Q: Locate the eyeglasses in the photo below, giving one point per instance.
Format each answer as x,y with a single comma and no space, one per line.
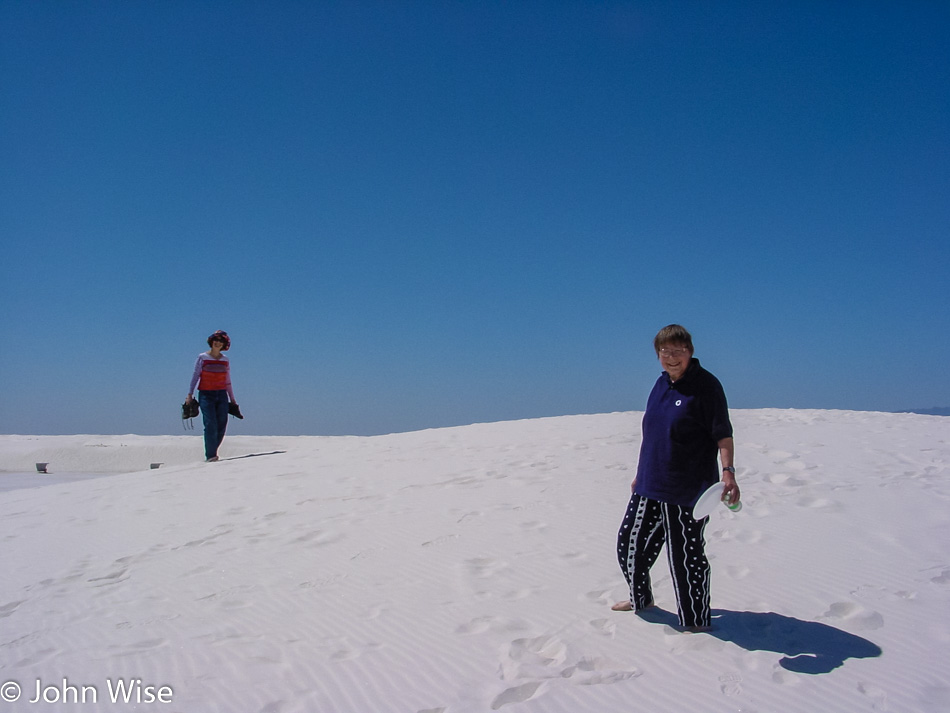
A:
674,352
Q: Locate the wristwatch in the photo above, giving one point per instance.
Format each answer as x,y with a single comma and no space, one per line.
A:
729,468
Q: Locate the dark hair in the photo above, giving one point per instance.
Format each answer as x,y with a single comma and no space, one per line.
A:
220,336
673,334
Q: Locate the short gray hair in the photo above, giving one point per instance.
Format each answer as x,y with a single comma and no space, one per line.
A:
673,334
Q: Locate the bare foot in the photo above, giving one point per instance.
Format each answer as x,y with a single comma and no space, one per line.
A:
622,606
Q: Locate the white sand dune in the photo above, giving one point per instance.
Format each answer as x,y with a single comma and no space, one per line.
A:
472,569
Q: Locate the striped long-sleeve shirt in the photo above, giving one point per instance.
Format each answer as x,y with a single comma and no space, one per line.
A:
212,375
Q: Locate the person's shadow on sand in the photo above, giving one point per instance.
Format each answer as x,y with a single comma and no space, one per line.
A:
809,646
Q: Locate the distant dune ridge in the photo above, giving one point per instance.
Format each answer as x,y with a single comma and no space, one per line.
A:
935,411
471,569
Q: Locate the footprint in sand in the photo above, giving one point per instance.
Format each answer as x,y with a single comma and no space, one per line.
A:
376,612
345,652
482,624
468,516
575,557
823,504
597,671
518,694
319,538
368,553
201,569
543,658
132,559
322,582
235,604
604,627
344,655
856,616
942,578
229,639
746,537
206,540
483,567
877,695
112,578
750,537
541,650
476,626
141,647
443,540
738,571
786,480
780,456
534,526
147,644
516,595
7,609
600,596
730,684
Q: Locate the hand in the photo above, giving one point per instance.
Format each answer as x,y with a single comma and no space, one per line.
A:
633,485
730,490
189,398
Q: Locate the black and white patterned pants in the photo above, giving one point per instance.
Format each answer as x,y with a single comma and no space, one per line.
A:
647,526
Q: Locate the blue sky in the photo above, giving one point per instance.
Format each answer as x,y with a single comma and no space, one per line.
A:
420,214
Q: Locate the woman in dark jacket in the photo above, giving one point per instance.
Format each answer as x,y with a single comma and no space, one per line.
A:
686,428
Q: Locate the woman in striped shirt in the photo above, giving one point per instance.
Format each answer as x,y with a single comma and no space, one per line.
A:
212,376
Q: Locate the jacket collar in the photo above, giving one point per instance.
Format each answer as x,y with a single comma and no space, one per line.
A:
690,372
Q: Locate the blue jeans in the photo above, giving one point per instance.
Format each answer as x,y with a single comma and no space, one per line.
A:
214,413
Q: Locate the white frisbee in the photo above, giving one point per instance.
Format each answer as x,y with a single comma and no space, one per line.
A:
708,501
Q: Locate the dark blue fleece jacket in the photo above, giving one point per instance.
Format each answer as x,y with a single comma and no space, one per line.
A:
682,426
